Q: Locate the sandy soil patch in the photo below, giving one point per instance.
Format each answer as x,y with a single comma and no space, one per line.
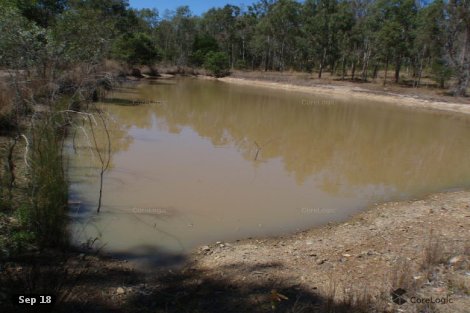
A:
344,92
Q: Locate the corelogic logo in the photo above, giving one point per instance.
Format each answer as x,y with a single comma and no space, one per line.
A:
398,296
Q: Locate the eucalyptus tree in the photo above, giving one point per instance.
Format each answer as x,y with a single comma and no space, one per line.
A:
261,43
183,25
429,45
321,29
457,42
245,31
347,39
277,31
221,23
282,24
396,22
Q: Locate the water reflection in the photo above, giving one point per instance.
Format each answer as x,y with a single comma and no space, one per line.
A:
226,162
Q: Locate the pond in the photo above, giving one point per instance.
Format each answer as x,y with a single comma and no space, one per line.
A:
200,161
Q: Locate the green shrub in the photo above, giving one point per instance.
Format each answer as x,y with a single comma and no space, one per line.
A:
441,72
217,63
201,47
136,49
241,64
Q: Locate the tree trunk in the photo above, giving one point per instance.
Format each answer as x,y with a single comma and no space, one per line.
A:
397,70
353,70
243,49
232,55
462,81
322,63
281,65
266,59
343,68
386,70
463,72
376,71
420,71
365,65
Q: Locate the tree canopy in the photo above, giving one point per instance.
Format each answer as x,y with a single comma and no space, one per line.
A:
350,38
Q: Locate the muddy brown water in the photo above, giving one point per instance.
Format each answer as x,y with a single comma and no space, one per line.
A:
196,162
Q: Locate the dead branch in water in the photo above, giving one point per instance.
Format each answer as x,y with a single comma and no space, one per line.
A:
104,163
260,147
257,151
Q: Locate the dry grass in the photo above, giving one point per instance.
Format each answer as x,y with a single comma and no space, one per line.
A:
442,268
435,252
181,70
427,90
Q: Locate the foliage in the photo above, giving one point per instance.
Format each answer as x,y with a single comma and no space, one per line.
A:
201,47
82,36
353,39
441,72
217,63
136,49
20,40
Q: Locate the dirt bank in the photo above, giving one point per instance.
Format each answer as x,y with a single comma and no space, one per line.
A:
421,246
399,244
409,97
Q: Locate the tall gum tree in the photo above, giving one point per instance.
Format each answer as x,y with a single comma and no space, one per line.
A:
457,30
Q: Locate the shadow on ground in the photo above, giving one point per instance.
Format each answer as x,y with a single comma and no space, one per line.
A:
90,286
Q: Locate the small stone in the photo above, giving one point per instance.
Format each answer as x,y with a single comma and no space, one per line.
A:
456,259
346,255
321,261
205,248
120,291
